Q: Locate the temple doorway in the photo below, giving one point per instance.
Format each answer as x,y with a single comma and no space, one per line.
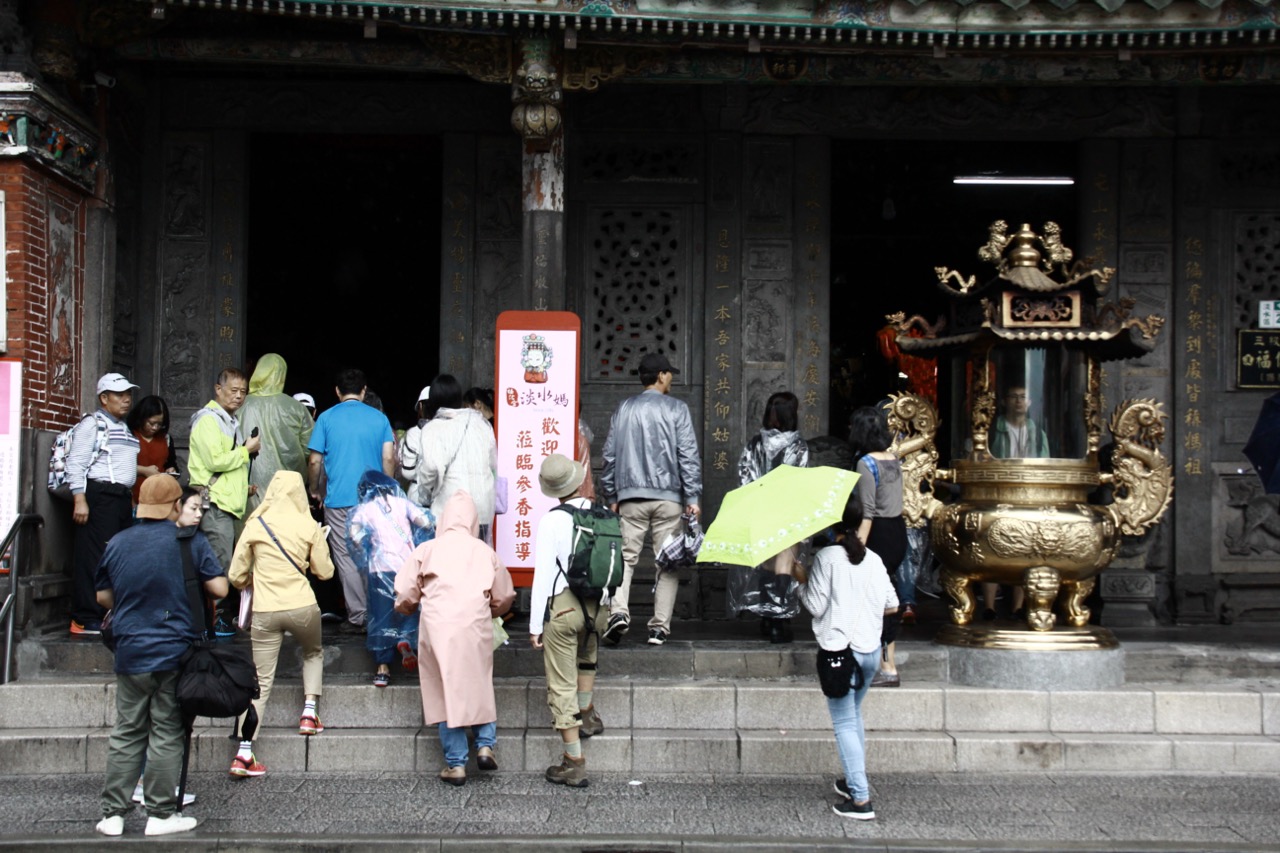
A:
344,261
896,214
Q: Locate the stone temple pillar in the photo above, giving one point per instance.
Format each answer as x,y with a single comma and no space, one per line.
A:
537,96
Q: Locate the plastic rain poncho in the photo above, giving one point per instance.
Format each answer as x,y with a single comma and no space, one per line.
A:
283,424
382,531
760,589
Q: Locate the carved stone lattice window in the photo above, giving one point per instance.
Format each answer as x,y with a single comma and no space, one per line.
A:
1257,265
637,293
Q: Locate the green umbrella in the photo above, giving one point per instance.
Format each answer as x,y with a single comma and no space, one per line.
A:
762,518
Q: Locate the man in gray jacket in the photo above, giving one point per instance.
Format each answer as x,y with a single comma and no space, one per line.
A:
652,472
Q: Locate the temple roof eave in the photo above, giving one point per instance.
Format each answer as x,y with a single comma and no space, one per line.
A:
1112,344
1024,24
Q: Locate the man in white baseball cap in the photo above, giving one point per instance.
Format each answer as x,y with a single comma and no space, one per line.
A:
407,449
102,464
308,401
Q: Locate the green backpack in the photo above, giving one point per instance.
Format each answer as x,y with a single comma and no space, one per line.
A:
595,563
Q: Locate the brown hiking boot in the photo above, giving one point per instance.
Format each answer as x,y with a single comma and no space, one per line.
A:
591,722
570,771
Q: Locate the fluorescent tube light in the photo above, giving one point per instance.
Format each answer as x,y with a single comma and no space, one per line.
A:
1015,180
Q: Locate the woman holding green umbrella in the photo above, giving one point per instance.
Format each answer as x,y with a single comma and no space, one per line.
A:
766,590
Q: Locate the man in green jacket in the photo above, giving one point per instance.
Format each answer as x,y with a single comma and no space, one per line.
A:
219,463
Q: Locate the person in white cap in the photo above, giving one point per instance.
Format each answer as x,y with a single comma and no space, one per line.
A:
102,465
308,401
407,450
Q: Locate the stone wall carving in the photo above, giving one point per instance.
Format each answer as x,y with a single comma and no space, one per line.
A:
761,382
1251,167
1146,193
185,199
498,286
765,319
768,194
184,324
1256,265
643,161
1250,518
63,325
498,190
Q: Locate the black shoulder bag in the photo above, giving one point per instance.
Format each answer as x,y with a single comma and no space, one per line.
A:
838,672
214,679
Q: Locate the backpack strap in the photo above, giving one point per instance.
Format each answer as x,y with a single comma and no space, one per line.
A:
875,469
195,590
272,534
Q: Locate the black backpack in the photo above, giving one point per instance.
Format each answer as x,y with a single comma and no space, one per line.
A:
595,562
214,679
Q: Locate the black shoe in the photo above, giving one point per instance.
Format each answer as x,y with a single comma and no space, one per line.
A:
352,628
857,811
657,636
1020,615
988,615
618,625
841,787
766,627
780,631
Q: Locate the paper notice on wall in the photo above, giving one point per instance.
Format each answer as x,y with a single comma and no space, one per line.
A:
10,441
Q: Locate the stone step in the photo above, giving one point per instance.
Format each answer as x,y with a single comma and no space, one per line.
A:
417,749
920,659
1236,709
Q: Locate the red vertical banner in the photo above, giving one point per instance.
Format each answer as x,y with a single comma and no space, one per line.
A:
535,405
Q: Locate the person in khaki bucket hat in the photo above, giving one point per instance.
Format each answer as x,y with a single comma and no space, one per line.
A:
568,630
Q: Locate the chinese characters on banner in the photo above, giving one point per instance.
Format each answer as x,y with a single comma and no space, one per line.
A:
536,409
10,438
1199,327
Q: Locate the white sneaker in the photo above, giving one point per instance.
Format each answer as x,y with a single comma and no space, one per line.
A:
176,822
187,799
113,825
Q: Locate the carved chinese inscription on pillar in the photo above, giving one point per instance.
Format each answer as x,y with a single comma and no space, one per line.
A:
808,321
1199,325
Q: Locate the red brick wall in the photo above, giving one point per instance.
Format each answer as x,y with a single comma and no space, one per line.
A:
44,238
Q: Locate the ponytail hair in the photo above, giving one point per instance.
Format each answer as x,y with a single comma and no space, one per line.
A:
849,524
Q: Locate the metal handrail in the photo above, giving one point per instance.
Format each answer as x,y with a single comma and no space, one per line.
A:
9,610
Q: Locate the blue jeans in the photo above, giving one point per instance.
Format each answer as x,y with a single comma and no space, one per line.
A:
454,741
846,719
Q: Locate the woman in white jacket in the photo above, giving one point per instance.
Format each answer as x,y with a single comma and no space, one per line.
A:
456,450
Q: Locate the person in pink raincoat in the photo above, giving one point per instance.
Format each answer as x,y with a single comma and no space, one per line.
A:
459,585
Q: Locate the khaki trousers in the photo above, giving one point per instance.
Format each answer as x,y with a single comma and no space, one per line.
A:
568,646
659,519
268,633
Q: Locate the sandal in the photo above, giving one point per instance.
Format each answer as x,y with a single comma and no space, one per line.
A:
381,679
408,659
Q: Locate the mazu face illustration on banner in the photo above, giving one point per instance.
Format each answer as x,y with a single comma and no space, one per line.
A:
537,399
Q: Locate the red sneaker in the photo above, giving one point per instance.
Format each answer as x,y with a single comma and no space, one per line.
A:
408,659
247,766
310,725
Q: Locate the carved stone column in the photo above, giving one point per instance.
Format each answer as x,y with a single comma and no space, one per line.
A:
537,95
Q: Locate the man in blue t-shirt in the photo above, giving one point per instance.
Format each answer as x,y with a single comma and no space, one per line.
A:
142,581
348,440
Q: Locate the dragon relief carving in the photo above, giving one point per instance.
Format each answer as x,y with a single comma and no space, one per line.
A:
1043,539
1118,314
914,422
1142,478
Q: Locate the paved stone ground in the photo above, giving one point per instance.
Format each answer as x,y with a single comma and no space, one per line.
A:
923,811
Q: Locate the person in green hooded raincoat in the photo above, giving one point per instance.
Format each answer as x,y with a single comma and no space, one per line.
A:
283,424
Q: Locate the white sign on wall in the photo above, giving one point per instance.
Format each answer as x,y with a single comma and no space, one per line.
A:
1269,314
10,440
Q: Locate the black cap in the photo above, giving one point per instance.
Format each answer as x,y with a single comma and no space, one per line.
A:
655,363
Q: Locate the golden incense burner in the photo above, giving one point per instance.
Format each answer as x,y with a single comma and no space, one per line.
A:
1030,503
